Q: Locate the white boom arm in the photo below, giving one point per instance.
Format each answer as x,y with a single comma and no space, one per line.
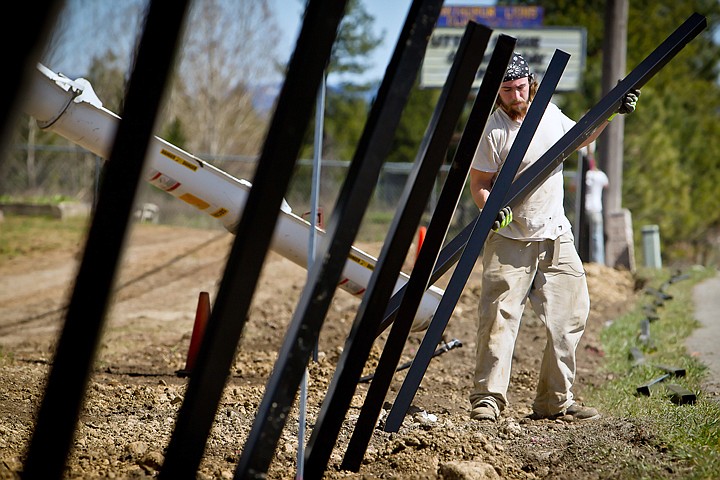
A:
71,109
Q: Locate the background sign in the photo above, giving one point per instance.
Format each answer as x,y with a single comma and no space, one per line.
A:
537,45
495,16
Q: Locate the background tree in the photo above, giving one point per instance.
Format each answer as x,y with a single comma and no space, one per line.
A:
88,30
104,61
174,133
347,101
345,113
355,41
413,124
108,75
228,51
671,146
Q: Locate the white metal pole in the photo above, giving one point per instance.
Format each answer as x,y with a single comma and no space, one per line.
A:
314,193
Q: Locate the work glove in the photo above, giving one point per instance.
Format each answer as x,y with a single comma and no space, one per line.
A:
503,219
629,102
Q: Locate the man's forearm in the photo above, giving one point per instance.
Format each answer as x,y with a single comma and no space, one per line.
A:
480,196
593,136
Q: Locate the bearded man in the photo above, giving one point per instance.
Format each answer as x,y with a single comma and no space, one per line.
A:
530,254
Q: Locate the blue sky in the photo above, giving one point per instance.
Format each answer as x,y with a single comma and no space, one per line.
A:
389,16
76,49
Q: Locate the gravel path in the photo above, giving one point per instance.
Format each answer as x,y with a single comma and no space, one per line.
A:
703,342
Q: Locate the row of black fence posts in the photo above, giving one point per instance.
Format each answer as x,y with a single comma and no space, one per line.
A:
646,344
67,381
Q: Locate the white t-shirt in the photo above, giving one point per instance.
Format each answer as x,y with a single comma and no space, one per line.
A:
541,215
595,181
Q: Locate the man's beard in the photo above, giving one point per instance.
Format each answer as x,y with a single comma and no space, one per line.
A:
515,111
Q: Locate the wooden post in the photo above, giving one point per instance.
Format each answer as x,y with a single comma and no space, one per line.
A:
610,143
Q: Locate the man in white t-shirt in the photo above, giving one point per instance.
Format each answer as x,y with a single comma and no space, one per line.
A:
595,182
531,257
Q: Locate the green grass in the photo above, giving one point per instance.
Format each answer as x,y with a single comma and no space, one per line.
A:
375,226
23,235
691,432
36,200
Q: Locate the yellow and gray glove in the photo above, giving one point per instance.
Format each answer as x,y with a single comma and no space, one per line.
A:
503,218
629,102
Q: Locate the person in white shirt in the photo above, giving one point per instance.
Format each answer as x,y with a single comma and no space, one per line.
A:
530,254
595,182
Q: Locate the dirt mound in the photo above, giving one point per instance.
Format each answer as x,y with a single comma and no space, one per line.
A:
134,393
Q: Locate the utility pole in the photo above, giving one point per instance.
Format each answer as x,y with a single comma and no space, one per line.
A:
619,245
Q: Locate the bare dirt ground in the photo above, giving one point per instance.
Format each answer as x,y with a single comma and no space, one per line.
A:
134,393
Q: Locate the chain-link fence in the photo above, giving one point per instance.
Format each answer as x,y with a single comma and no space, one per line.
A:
47,171
73,173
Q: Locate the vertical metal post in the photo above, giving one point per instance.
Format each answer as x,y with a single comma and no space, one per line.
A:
78,342
253,237
651,246
314,193
315,190
582,230
613,69
32,24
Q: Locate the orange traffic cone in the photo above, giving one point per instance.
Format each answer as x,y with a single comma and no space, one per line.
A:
421,239
202,314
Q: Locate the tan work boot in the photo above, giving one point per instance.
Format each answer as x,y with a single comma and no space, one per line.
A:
573,413
485,410
577,412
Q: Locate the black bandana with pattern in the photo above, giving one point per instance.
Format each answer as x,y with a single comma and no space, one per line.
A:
518,68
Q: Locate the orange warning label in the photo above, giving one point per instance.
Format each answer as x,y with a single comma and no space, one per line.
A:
195,201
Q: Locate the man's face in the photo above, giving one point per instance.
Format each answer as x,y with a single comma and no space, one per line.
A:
514,96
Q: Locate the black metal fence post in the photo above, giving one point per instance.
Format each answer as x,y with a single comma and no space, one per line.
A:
530,178
436,233
476,241
32,23
373,147
609,104
410,209
85,318
583,234
253,237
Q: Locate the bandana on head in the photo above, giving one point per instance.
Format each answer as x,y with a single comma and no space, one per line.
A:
518,68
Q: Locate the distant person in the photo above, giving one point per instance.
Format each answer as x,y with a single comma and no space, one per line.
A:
529,255
595,182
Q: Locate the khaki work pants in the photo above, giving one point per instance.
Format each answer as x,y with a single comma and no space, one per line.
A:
551,275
